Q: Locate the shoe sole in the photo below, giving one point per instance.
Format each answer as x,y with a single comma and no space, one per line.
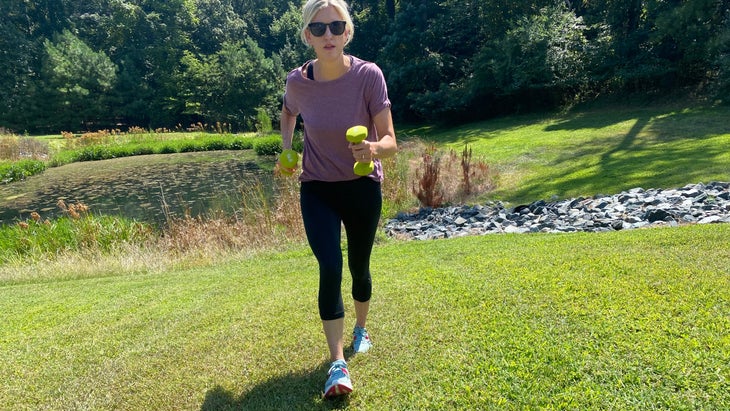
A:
361,350
337,390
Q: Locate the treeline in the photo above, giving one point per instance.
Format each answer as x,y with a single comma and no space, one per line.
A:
78,65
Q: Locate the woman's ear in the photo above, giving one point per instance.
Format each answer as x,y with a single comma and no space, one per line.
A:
308,36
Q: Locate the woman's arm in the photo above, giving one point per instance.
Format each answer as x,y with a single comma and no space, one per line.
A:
386,145
287,124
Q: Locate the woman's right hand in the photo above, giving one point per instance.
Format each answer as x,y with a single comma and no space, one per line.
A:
280,169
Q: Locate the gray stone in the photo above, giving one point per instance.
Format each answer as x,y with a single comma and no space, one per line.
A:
635,208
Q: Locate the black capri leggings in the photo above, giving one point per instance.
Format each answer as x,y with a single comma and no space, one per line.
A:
326,206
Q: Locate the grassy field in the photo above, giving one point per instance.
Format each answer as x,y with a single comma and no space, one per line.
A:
630,320
598,149
627,320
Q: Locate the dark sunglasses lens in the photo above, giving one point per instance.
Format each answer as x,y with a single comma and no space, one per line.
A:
317,29
337,27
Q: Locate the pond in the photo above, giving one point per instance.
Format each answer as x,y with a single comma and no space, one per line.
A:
144,188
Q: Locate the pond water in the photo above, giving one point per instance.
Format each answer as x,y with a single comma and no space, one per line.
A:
145,188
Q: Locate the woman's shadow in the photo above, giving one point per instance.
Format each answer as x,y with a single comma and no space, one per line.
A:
295,391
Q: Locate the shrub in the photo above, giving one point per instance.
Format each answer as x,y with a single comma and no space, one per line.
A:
427,187
19,170
397,194
167,150
267,146
142,151
241,143
76,230
263,121
19,148
93,153
189,147
215,144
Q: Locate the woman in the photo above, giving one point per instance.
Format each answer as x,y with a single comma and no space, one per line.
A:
331,94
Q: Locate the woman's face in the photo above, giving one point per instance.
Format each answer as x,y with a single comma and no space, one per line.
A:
327,46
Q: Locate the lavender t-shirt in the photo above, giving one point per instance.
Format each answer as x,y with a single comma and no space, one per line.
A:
328,109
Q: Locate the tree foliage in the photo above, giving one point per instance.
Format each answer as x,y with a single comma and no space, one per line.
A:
84,64
231,85
78,80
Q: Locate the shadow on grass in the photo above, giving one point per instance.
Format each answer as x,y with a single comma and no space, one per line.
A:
672,154
295,391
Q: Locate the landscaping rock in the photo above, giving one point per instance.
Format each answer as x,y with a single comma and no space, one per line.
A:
635,208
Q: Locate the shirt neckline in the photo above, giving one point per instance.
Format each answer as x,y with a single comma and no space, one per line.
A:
303,70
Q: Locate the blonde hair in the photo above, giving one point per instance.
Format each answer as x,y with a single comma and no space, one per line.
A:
312,7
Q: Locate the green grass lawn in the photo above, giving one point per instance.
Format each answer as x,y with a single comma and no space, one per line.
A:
625,320
629,320
603,149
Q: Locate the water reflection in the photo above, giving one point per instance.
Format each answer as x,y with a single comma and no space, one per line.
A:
144,188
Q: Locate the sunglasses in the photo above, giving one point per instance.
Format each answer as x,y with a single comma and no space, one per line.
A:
318,29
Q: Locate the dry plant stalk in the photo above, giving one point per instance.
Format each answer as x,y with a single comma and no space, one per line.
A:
449,178
466,170
429,191
263,224
18,148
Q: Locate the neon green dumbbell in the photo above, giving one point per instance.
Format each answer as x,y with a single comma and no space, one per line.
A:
356,135
288,159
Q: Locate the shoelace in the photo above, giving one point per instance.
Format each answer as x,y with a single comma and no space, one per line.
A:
337,367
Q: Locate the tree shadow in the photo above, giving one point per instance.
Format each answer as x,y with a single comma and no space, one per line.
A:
470,132
294,391
652,160
650,153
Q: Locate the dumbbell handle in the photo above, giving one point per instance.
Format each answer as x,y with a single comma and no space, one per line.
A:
356,135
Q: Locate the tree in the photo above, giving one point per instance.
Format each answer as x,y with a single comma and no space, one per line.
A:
79,79
179,60
16,64
373,21
409,61
216,22
721,48
687,36
146,40
24,26
285,31
232,85
539,62
430,65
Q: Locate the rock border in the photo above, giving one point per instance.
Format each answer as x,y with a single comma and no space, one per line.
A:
635,208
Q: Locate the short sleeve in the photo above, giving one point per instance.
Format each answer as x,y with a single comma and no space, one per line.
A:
377,96
286,107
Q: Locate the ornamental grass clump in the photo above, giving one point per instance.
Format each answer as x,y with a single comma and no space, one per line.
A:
448,178
263,220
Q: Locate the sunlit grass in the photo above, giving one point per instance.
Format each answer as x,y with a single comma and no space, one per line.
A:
220,312
598,150
628,320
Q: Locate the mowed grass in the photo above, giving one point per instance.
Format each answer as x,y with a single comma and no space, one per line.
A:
597,150
630,320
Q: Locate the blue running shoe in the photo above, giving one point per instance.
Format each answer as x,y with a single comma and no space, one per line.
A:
361,340
338,381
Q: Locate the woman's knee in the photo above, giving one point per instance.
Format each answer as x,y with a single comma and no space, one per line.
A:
362,288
